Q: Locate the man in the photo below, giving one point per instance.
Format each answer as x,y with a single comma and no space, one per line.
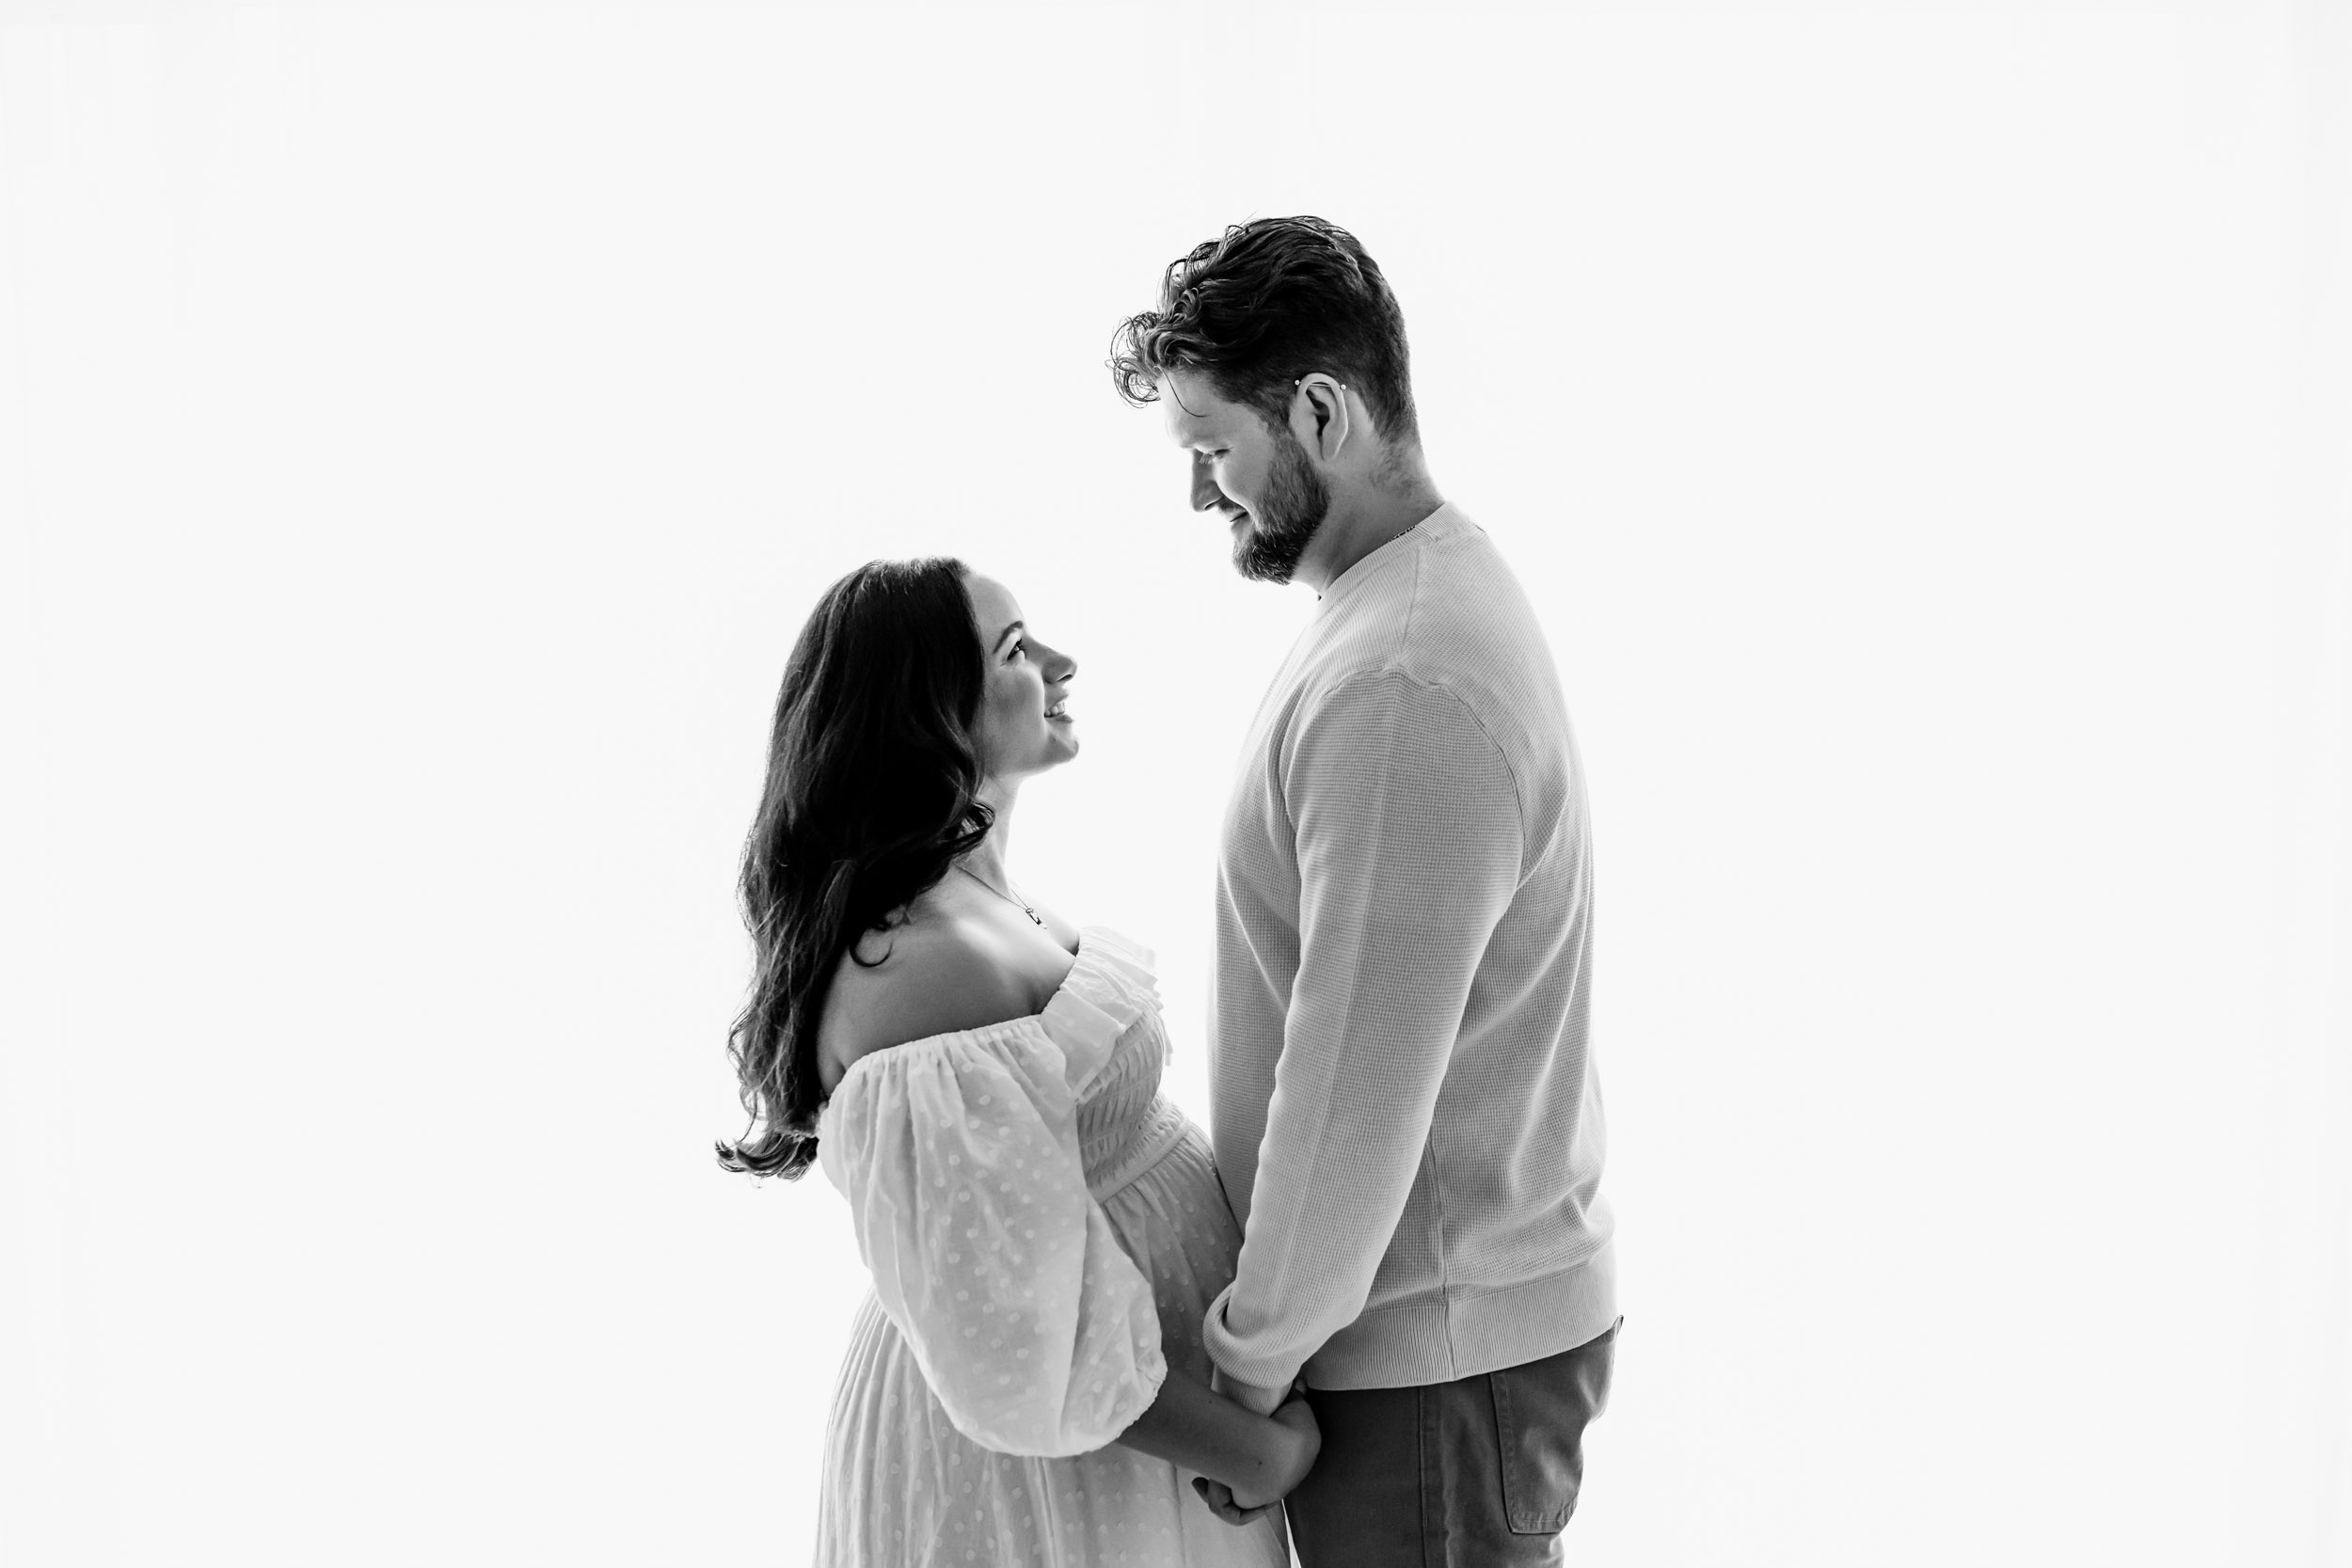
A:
1405,1112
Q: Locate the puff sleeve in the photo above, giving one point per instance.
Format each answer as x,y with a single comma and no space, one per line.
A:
959,1155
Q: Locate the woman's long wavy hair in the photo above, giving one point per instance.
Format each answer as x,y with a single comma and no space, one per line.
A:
873,791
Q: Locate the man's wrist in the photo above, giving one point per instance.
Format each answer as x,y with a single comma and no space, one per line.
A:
1262,1398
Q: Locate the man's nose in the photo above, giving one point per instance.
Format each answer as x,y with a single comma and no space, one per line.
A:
1205,491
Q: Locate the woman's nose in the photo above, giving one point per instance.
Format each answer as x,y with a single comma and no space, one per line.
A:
1059,665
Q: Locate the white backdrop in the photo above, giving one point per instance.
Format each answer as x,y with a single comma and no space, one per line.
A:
423,427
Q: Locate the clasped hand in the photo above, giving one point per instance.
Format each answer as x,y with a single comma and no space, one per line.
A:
1299,1441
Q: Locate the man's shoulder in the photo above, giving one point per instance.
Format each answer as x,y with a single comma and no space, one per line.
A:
1453,642
1452,615
1465,589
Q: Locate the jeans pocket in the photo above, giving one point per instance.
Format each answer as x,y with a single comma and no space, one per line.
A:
1541,1411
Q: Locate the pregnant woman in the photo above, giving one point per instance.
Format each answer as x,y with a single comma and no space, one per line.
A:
1027,1384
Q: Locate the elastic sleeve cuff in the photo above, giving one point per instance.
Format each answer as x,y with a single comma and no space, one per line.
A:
1136,1397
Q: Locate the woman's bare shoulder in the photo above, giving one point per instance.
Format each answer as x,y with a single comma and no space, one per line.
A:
935,975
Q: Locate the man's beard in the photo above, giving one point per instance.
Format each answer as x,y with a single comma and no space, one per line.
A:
1290,508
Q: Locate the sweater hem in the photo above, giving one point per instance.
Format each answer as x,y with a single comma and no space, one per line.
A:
1466,1333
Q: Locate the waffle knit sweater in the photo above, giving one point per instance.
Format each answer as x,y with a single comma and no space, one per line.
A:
1404,1108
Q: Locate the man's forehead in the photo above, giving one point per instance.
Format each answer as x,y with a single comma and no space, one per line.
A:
1193,410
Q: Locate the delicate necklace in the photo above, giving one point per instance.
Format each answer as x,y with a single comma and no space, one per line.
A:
1035,918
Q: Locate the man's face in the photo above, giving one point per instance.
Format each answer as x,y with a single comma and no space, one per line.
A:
1260,481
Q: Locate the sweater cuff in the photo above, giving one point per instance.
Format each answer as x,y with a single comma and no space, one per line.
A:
1237,1360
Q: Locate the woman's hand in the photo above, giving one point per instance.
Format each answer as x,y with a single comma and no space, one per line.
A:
1226,1447
1297,1440
1292,1443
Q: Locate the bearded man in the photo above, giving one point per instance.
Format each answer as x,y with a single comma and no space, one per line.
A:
1405,1112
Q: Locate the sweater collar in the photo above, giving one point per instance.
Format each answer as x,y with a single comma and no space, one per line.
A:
1445,523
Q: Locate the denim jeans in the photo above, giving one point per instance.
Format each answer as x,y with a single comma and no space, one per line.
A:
1483,1470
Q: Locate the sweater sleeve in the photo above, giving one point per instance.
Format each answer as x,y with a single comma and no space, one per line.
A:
1409,842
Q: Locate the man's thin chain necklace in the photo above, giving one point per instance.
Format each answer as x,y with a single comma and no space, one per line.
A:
1026,908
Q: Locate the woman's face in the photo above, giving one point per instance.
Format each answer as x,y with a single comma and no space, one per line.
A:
1022,728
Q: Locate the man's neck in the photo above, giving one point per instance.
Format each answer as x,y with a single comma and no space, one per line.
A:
1351,531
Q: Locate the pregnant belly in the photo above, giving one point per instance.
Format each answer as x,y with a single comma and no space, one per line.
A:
1170,1217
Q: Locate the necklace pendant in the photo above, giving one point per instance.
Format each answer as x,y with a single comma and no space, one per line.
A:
1007,895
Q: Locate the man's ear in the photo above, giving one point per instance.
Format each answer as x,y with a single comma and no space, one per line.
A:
1321,407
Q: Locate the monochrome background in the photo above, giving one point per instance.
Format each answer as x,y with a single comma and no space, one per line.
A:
1923,429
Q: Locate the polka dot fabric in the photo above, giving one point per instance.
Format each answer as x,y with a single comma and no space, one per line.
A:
1045,1231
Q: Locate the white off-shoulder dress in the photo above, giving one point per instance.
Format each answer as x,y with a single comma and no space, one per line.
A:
1045,1230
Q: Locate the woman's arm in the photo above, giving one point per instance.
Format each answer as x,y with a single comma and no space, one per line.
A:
1259,1457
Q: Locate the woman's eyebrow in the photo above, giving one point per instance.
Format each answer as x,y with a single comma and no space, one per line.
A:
1008,632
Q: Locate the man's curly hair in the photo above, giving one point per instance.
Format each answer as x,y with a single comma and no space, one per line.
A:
1269,301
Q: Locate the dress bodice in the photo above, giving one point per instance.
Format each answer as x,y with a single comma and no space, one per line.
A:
1124,1124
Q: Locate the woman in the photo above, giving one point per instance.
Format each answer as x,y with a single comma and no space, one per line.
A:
1026,1383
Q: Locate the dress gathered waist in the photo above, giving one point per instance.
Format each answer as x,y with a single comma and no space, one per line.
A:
1150,1140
